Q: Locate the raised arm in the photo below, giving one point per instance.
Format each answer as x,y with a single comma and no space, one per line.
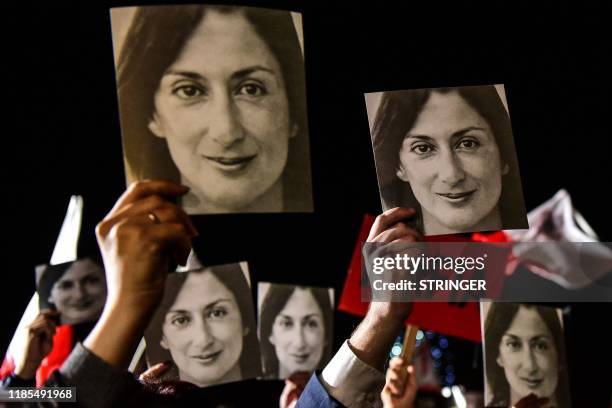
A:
354,376
139,238
374,337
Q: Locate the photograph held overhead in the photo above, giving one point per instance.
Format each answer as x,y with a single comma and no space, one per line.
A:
448,152
214,97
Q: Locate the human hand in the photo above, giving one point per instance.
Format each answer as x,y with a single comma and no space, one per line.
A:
390,227
532,401
39,343
139,238
374,336
400,387
294,386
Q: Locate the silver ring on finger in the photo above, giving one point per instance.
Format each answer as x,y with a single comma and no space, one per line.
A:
153,217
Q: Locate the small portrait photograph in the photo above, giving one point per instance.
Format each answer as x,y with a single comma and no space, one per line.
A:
449,153
205,325
77,290
524,353
214,97
295,328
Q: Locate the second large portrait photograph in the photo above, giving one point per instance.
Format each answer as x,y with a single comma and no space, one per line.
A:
214,97
449,153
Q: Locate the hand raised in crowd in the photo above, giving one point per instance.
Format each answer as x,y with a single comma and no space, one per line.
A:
400,386
391,227
294,386
39,343
373,338
139,239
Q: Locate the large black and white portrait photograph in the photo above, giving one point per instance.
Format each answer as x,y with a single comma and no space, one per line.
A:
214,97
295,328
524,353
77,290
449,153
205,325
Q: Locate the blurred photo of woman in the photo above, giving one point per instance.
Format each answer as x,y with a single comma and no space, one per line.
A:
77,290
205,325
450,153
214,97
295,325
524,354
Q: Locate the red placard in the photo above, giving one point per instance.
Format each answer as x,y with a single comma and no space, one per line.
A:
452,319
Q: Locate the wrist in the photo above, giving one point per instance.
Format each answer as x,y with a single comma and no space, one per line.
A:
391,314
132,306
374,336
128,314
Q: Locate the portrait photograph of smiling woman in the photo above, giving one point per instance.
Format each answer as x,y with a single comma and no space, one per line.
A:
295,328
448,152
524,353
77,290
214,97
205,325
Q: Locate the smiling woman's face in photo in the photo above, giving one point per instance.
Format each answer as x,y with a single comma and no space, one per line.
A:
528,356
203,331
298,334
222,107
80,293
452,162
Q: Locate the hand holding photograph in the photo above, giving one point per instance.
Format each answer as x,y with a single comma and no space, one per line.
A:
449,152
214,97
295,328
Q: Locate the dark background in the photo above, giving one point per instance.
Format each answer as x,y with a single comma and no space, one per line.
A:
61,136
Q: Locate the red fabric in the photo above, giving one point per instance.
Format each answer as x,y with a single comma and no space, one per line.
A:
350,300
453,319
8,366
62,346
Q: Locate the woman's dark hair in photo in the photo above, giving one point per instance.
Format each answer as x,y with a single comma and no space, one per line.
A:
230,276
397,114
155,39
47,275
498,320
274,302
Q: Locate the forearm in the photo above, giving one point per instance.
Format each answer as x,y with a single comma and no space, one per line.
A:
117,333
355,375
375,335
